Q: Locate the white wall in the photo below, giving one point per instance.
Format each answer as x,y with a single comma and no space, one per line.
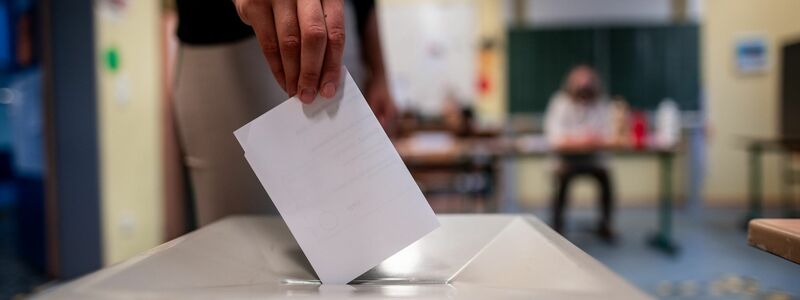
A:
739,105
696,9
559,12
430,51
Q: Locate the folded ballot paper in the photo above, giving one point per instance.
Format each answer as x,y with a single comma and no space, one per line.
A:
337,181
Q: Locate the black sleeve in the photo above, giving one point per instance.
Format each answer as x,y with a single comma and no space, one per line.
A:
363,8
205,22
216,21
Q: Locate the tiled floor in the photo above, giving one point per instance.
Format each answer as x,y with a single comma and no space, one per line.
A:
714,261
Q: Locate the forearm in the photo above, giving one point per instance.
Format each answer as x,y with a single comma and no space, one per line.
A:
581,142
371,48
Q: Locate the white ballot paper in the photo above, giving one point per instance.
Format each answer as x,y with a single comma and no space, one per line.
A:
337,181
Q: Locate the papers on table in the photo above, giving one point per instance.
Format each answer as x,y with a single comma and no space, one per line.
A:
337,181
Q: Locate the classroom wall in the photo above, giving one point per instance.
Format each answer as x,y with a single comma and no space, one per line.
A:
742,105
129,99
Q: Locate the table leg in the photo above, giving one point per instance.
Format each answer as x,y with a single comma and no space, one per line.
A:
754,176
662,240
788,181
508,186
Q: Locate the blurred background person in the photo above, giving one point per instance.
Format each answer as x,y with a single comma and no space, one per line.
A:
577,128
222,82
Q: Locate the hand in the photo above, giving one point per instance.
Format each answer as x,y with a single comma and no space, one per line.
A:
580,143
302,40
593,140
381,103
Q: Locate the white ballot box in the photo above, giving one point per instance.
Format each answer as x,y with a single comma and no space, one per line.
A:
255,257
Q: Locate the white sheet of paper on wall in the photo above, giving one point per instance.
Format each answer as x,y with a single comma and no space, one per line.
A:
337,181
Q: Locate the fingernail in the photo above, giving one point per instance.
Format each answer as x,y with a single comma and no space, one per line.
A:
328,90
308,95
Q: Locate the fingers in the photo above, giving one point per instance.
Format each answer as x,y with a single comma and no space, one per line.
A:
302,40
288,32
332,65
258,15
313,40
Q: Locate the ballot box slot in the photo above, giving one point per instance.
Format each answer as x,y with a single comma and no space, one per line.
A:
381,281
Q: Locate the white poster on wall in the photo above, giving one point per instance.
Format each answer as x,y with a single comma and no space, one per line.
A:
430,52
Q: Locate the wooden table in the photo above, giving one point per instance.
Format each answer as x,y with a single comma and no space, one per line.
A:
489,152
777,236
662,239
756,148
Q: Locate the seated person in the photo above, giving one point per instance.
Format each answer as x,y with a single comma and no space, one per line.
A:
577,128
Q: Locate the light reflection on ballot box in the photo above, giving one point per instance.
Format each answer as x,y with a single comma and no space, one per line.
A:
468,257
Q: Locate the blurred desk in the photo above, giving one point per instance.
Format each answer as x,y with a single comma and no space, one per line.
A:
443,164
468,257
756,147
777,236
487,153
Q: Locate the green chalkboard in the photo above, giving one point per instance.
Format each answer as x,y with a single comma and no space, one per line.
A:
644,64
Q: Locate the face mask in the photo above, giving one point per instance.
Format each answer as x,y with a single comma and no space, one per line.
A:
585,93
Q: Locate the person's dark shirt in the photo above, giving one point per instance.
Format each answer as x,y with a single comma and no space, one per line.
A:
209,22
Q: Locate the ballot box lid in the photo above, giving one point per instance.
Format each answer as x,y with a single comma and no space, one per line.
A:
468,257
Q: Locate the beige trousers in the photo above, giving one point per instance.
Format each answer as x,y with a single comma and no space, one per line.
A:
217,90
